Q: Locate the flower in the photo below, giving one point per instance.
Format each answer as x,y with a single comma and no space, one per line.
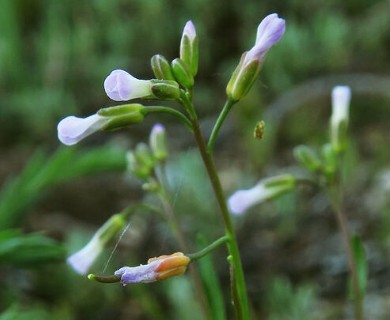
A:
73,129
269,32
157,269
266,189
83,259
122,86
341,97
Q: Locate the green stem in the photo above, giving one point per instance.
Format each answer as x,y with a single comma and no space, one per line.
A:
200,254
237,279
177,114
218,124
335,195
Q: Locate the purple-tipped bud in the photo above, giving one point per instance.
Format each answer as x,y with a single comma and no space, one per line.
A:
73,129
122,86
189,30
158,142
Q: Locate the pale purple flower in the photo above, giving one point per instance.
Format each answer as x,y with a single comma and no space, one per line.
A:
269,32
83,259
266,189
122,86
73,129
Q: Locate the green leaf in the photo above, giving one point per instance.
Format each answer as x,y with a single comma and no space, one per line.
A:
361,264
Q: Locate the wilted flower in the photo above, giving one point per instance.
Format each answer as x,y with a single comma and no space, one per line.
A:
269,32
122,86
266,189
157,269
341,97
83,259
73,129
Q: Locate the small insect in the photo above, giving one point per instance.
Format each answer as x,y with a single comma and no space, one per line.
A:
258,133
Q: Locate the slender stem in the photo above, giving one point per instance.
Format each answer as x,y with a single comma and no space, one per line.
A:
200,254
237,275
335,195
170,111
218,124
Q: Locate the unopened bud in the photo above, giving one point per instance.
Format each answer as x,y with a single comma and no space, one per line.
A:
158,142
189,47
161,68
307,158
341,96
258,133
140,161
182,73
165,90
330,159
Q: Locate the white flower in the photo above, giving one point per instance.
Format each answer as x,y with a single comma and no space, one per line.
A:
122,86
83,259
73,129
266,189
341,97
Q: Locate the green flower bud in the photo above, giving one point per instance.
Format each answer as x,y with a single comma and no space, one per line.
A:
164,89
140,161
161,68
182,73
307,158
258,133
158,142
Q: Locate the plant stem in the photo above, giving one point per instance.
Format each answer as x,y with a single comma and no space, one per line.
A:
197,255
177,114
346,238
237,275
221,118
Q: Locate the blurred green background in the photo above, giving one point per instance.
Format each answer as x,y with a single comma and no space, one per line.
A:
54,56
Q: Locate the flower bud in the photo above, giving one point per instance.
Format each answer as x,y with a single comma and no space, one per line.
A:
258,133
189,47
161,68
341,96
158,142
122,86
83,259
157,269
269,32
140,161
307,158
330,159
164,89
72,129
182,73
266,189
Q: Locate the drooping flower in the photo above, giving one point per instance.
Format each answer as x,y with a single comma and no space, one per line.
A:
341,97
266,189
269,32
157,269
83,259
73,129
122,86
